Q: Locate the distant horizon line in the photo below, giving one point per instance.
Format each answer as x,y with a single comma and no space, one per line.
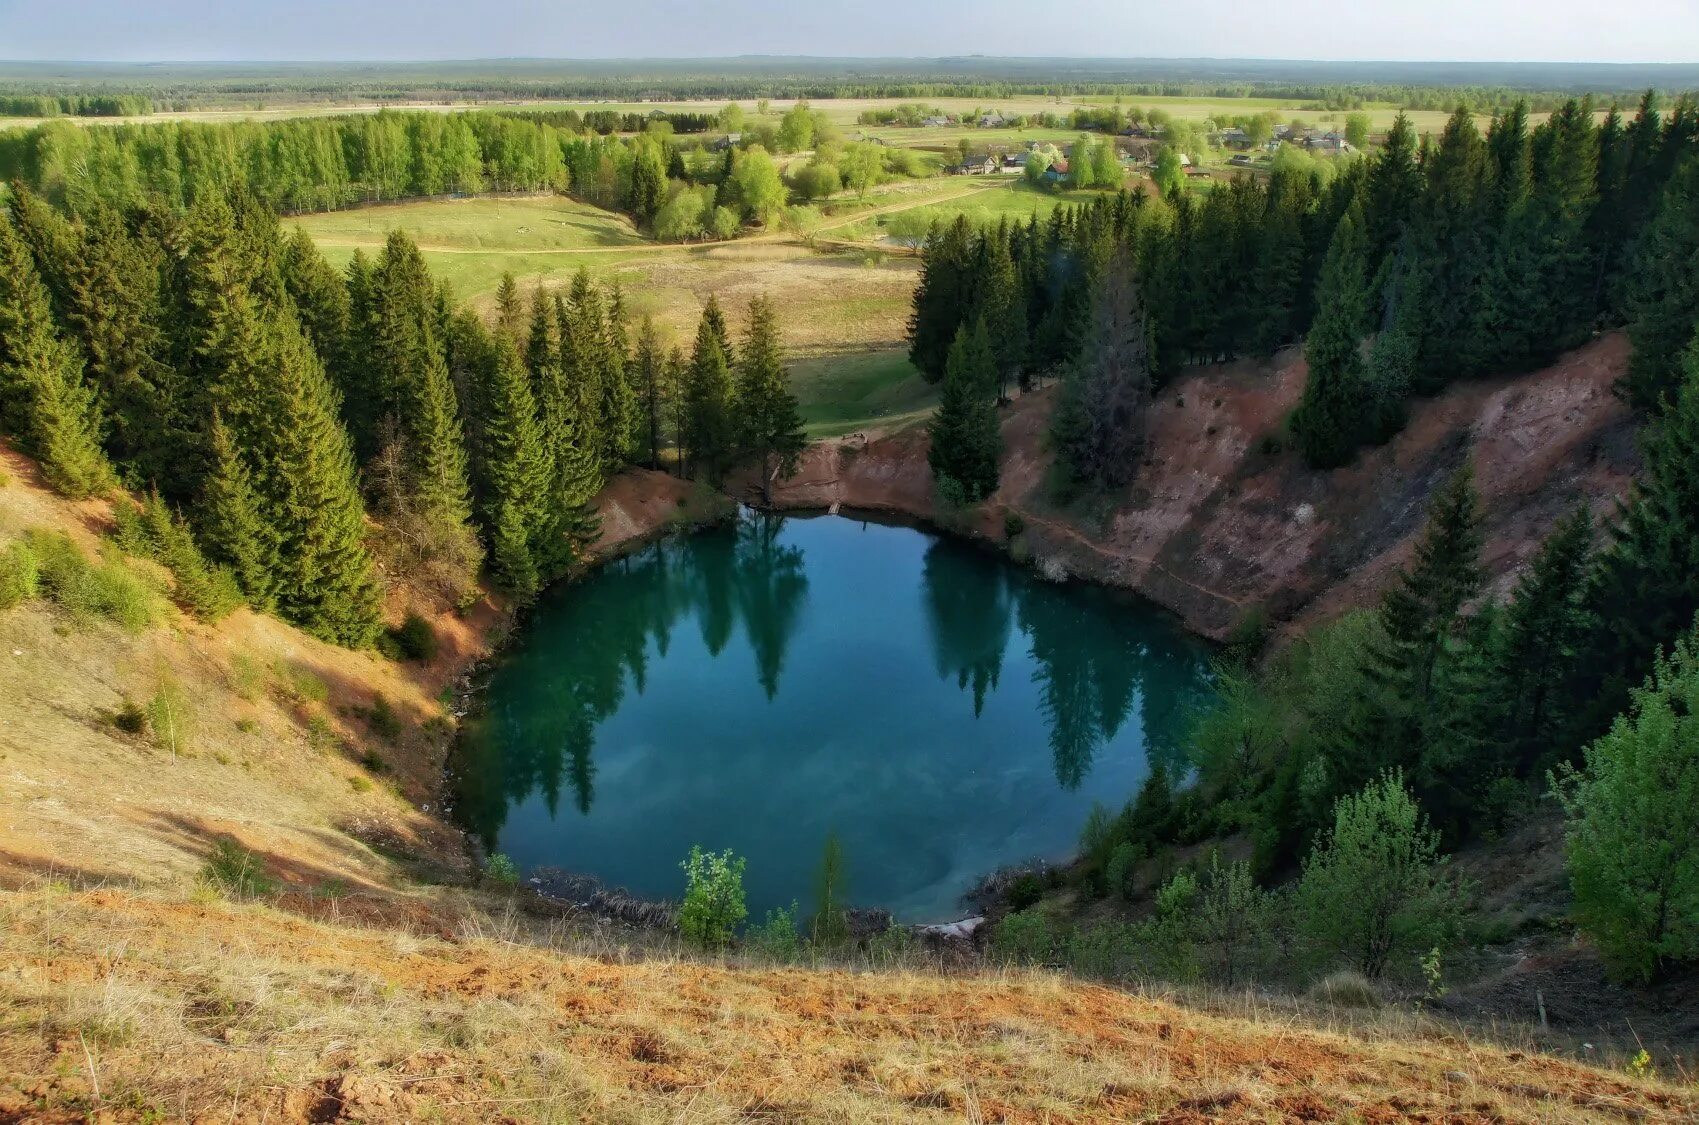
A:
781,57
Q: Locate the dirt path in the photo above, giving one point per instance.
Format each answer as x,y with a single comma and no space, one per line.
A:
766,237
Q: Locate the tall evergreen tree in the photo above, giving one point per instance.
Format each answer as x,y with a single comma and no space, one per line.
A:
1331,420
1100,423
649,373
966,442
941,297
43,398
710,428
766,408
231,523
518,469
1663,293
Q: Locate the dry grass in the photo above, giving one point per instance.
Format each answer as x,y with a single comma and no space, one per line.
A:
191,1006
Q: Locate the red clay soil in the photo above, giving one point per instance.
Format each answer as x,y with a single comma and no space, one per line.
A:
1222,521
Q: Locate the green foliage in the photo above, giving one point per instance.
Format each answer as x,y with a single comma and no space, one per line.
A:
89,591
1025,891
501,872
1374,888
1633,855
766,408
1027,937
830,924
154,531
713,906
1122,868
415,639
1099,426
171,717
966,442
20,576
236,871
777,936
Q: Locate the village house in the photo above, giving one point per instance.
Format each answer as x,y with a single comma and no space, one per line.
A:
1235,138
934,122
1331,143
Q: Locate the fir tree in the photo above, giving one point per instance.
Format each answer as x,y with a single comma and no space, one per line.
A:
518,471
649,373
325,581
1545,626
510,316
1645,589
710,429
766,408
1100,423
232,527
966,442
1663,293
940,298
43,398
1420,613
1329,422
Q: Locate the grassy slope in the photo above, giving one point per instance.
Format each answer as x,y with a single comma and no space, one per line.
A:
185,1007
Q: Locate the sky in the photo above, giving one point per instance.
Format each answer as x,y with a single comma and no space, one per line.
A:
315,30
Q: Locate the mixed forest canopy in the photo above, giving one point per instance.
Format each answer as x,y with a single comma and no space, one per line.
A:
1335,85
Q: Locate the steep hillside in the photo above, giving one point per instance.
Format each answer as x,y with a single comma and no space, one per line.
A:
1223,521
161,1009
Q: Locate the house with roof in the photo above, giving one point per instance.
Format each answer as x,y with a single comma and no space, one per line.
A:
934,122
1056,173
1333,144
991,121
1236,139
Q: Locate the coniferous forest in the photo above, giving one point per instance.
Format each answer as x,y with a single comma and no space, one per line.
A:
266,405
1434,260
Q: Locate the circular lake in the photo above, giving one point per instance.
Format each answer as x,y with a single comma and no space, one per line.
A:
763,685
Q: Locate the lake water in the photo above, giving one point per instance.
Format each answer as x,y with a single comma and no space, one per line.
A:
759,687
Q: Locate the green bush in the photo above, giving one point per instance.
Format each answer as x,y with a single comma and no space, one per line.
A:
1108,950
92,590
1374,887
777,936
130,718
1026,938
414,639
1025,891
1013,524
713,899
1119,872
237,871
20,577
385,723
1346,989
154,531
1632,847
500,871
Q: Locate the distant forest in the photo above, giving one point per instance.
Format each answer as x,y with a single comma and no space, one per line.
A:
47,88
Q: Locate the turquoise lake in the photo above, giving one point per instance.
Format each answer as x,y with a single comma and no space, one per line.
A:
760,685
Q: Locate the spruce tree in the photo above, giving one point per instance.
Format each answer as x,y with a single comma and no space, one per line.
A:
231,524
1329,423
1663,293
766,408
710,429
1545,626
619,397
1100,424
519,471
966,442
43,398
325,581
941,297
649,374
510,316
1419,614
322,302
1645,589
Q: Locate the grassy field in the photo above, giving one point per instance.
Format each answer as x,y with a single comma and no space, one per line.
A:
844,393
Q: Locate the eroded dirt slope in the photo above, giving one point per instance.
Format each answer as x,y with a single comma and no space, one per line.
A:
1222,520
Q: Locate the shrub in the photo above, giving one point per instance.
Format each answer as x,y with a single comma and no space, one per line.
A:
1026,938
90,590
237,871
154,531
1374,886
414,639
170,717
830,925
1013,524
1121,869
130,718
19,576
500,871
713,899
385,723
1025,891
1633,852
777,936
360,784
1109,950
1346,989
305,684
